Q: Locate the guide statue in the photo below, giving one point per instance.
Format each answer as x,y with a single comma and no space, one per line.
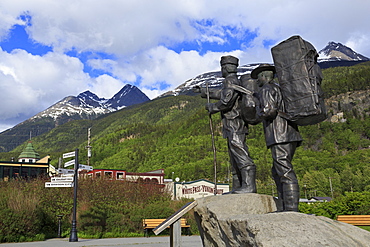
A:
234,128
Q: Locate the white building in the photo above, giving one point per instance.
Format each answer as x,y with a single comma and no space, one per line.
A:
195,189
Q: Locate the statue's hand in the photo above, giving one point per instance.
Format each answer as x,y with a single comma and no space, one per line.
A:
210,107
196,89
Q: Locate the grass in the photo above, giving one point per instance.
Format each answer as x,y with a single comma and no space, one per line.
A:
367,228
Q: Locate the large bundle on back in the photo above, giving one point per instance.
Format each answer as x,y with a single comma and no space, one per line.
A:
300,78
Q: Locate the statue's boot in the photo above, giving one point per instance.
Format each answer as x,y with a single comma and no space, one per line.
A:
235,184
279,202
248,184
279,199
291,197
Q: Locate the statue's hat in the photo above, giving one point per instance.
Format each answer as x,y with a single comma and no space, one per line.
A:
262,67
229,60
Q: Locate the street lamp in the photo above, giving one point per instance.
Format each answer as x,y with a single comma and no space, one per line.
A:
331,187
60,225
305,190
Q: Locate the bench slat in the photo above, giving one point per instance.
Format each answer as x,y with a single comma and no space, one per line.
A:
357,220
153,223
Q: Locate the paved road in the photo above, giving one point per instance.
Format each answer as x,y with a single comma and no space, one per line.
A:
187,241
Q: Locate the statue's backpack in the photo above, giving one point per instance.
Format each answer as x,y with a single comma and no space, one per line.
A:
299,78
248,100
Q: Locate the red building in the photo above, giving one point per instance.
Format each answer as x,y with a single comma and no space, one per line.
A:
155,177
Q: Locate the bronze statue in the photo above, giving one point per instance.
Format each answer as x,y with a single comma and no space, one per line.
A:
282,137
234,128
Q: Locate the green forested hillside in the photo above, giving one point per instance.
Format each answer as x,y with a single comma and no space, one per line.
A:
173,133
345,79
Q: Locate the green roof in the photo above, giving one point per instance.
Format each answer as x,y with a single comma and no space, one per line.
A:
29,152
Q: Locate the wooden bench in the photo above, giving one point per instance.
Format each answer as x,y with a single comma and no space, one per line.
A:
153,223
356,220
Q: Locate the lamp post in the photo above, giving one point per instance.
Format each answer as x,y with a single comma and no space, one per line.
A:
331,187
305,191
73,237
60,225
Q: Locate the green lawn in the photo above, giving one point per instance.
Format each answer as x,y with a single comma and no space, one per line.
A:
367,228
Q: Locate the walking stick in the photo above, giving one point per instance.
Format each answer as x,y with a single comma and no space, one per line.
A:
213,143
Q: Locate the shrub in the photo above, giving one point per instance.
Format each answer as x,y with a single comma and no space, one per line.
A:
105,208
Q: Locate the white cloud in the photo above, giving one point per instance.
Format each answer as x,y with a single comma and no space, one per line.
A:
127,27
359,42
31,83
140,33
106,86
161,65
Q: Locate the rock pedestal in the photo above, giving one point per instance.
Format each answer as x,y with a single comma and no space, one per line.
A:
248,220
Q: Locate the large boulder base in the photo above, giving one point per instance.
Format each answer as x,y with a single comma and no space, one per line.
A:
250,220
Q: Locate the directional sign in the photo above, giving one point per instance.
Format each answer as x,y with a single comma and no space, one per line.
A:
61,179
66,171
85,167
67,155
69,163
57,184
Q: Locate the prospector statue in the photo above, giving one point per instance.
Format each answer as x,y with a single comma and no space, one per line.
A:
282,137
234,128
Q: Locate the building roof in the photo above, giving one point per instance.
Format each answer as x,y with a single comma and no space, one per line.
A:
29,152
200,180
319,198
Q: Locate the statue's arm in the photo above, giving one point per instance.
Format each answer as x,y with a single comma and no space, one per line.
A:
227,100
214,93
268,104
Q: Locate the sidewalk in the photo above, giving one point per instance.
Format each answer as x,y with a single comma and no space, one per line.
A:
187,241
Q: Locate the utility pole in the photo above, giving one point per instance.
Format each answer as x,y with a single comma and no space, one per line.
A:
73,235
88,146
60,163
305,190
331,187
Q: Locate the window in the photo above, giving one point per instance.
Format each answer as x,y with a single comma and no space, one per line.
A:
108,175
34,172
120,175
154,181
15,172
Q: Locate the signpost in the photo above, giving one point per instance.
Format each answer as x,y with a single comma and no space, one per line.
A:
70,182
62,179
58,184
69,163
66,171
68,155
73,236
85,167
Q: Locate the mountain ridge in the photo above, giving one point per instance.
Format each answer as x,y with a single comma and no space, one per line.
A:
332,55
86,105
337,51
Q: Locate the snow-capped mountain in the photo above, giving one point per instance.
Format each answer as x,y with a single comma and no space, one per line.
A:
214,79
338,52
333,55
88,105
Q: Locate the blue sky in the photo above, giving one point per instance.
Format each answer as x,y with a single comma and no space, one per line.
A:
47,54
